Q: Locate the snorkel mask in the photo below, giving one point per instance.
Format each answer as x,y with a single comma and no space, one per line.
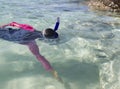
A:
51,33
55,38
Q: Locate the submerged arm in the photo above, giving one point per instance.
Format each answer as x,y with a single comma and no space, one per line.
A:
35,51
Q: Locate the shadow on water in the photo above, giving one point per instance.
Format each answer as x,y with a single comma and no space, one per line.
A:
72,71
81,73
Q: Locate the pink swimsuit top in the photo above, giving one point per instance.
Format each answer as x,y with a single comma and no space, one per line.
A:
22,26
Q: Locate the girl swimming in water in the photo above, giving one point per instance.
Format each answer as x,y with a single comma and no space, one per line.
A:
26,35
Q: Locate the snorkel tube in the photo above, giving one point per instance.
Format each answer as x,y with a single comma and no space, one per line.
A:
56,27
57,24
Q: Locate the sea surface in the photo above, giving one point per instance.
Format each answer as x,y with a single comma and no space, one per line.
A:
87,56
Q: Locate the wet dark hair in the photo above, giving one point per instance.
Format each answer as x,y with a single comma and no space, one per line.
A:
50,33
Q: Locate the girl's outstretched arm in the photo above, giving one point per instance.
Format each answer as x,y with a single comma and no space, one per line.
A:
35,51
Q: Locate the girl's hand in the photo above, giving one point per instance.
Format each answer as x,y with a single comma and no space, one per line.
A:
55,74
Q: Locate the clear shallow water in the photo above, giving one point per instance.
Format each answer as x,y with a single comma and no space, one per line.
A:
87,56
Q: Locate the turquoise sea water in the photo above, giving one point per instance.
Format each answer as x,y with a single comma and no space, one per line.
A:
87,56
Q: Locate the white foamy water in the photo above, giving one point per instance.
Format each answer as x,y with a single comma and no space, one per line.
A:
86,57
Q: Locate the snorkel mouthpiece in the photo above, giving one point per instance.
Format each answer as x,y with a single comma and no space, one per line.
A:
57,24
56,35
